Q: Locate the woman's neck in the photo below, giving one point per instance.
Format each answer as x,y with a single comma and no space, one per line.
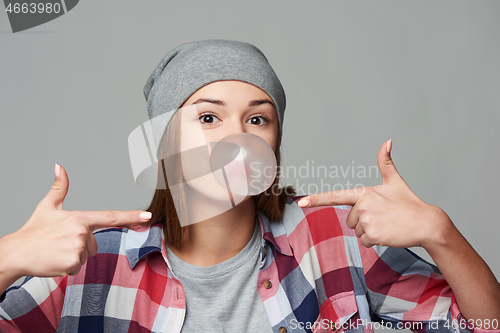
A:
219,238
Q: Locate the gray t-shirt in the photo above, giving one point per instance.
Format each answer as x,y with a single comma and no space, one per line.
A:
224,297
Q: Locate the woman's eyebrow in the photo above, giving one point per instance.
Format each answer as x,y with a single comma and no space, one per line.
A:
219,102
260,102
206,100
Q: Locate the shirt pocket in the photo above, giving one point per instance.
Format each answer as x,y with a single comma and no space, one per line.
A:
335,313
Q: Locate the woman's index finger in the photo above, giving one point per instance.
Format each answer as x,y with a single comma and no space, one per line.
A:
333,198
114,218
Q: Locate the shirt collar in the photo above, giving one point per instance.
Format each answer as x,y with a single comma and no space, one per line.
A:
144,241
274,233
141,242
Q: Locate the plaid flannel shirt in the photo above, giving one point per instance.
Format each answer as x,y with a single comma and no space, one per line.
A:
314,277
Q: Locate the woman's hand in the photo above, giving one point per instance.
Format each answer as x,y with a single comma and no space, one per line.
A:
392,215
55,242
389,214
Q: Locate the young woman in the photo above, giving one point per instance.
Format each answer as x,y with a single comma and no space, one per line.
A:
270,263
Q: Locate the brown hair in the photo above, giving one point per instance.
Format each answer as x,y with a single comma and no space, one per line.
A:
271,202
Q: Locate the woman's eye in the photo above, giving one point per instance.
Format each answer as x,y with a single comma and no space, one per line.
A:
208,119
258,120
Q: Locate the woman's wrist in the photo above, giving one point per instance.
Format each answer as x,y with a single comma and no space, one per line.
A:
441,233
9,270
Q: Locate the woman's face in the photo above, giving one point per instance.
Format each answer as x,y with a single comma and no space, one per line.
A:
212,113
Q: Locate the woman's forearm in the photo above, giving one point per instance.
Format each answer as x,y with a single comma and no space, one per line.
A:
476,289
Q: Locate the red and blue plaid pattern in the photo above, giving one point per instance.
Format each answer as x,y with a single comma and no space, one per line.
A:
314,277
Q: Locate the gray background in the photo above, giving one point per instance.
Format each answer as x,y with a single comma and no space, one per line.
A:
356,73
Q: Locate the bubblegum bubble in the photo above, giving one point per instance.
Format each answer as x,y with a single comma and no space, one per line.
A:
247,162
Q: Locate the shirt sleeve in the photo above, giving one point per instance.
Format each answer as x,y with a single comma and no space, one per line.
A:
33,306
405,291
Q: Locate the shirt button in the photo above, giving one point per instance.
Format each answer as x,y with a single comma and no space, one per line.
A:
282,329
269,285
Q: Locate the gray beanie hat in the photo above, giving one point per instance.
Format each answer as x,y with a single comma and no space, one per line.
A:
191,66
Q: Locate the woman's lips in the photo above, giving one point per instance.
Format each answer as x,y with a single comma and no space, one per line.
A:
237,168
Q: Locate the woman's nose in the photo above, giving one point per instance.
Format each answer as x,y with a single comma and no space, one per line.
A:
235,127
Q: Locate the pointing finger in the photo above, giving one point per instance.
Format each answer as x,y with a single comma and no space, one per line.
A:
112,218
340,197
